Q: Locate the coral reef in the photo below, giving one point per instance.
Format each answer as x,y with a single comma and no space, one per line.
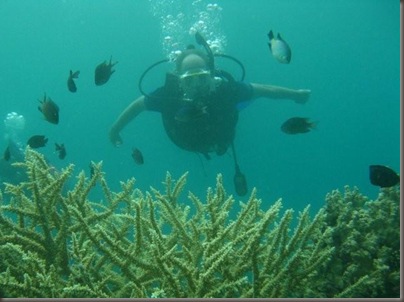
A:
57,243
366,237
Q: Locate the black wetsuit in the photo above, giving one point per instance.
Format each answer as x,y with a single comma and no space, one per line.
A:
212,127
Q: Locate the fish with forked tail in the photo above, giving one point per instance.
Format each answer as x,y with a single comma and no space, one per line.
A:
71,85
296,125
60,148
37,141
49,109
279,48
103,72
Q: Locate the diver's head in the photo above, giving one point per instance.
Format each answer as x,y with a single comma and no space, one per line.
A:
195,77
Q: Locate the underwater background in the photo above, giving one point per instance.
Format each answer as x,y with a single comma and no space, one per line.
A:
347,52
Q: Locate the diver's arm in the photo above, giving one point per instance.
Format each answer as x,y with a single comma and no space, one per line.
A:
300,96
130,112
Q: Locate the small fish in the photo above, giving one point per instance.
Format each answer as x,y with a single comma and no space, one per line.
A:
14,151
103,72
383,176
279,48
61,149
137,156
49,109
37,141
297,125
71,85
7,154
189,113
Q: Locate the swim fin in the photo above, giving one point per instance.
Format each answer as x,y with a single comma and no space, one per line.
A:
240,182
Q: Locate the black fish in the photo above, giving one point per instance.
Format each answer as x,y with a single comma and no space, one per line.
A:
61,149
7,154
70,82
383,176
49,109
137,156
37,141
297,125
14,151
103,72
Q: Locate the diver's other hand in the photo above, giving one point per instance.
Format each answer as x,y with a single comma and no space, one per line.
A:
302,96
115,138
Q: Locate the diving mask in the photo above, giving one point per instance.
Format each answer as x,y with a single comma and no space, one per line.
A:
196,82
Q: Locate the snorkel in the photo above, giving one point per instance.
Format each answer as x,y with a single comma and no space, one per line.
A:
201,41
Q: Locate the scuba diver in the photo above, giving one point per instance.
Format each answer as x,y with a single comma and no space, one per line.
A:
199,104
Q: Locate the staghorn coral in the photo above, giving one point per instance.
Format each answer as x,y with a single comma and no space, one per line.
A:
154,244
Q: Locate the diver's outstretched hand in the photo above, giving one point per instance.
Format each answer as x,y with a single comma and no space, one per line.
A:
302,96
115,138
